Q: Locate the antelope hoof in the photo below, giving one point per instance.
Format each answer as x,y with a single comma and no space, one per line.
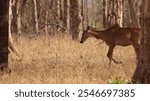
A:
118,62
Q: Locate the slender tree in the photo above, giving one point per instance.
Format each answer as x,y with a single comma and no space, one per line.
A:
66,13
46,22
35,17
82,13
61,9
93,13
18,12
104,13
86,16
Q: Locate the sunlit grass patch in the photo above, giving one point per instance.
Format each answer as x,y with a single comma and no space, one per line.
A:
59,59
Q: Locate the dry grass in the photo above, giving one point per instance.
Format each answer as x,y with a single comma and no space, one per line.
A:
60,60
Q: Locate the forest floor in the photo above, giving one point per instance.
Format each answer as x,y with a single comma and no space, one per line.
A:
59,60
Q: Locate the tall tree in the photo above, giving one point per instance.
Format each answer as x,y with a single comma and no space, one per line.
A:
11,45
61,9
4,17
114,12
133,12
18,12
46,22
142,72
16,7
35,17
93,23
119,10
104,13
11,3
66,13
86,17
75,18
82,13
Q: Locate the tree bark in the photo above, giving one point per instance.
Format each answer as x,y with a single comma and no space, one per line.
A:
11,45
46,22
104,13
113,10
75,18
83,13
111,13
86,16
4,17
142,72
93,14
18,12
134,17
119,12
66,14
10,14
35,17
61,10
58,8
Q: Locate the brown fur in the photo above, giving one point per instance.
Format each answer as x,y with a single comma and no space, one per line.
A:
113,36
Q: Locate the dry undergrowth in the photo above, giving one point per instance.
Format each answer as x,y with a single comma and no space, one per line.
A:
61,60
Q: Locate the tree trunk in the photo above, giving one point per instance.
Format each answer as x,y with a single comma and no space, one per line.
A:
134,17
142,72
58,8
104,13
83,14
18,12
119,10
111,14
86,16
13,15
11,45
75,19
4,17
46,22
35,17
93,23
66,14
61,10
10,14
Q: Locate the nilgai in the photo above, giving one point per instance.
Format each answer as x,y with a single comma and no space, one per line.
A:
113,36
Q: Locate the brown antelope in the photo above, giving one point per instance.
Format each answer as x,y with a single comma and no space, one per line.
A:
113,36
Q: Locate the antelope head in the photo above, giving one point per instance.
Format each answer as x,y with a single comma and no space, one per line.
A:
85,35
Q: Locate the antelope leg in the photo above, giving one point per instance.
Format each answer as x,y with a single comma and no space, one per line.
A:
110,52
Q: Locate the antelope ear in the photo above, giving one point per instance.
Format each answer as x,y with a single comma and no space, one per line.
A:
88,27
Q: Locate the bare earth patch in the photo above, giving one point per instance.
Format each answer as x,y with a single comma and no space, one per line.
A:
59,60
